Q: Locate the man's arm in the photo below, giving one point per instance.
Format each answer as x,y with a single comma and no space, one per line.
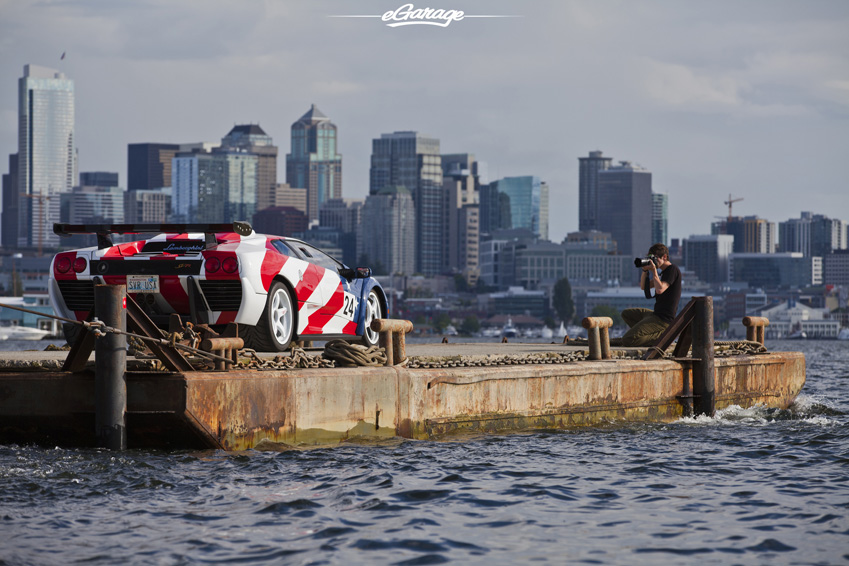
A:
659,286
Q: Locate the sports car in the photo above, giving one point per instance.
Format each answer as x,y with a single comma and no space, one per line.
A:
276,289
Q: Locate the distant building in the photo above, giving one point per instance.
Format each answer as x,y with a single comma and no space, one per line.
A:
708,256
280,221
149,165
387,236
604,268
827,234
98,179
775,271
625,207
791,317
329,240
284,195
9,217
530,264
215,186
147,206
590,241
751,234
343,215
47,157
412,160
588,170
528,203
461,214
494,209
93,205
836,268
315,163
659,218
251,138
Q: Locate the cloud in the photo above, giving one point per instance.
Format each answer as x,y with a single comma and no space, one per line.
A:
678,85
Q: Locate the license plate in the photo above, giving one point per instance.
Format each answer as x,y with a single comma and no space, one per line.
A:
142,283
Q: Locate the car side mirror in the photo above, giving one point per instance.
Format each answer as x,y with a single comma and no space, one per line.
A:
347,273
363,272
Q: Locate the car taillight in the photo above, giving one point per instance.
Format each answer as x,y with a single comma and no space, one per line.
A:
80,264
230,265
63,264
212,264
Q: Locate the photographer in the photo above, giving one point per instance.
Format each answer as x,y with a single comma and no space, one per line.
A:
664,278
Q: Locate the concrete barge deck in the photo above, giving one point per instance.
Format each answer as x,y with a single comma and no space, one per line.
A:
243,409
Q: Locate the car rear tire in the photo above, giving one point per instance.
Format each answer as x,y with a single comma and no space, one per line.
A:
276,326
374,311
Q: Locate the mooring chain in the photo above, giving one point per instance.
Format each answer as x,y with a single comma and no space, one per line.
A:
345,354
297,359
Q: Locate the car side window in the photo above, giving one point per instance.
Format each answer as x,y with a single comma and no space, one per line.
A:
281,247
316,256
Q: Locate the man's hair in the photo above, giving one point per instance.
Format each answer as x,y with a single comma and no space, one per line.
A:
658,250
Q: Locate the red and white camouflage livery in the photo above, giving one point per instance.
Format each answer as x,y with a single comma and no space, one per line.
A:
277,289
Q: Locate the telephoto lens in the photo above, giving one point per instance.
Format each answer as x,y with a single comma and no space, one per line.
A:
641,261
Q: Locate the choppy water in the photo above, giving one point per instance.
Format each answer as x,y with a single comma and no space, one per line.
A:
747,487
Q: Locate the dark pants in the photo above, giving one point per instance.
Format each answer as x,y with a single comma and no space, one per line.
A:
644,327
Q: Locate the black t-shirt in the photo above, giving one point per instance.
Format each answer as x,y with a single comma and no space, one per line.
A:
666,303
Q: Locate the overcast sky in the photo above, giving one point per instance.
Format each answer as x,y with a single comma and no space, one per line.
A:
713,97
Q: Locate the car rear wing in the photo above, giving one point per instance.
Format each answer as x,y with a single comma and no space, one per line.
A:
104,231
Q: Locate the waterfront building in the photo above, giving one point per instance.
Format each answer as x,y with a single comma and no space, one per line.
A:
251,138
315,164
47,157
412,160
588,169
625,207
387,236
659,218
215,186
9,216
149,165
601,267
792,317
708,256
789,270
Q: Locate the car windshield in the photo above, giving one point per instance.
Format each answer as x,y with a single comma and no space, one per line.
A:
315,255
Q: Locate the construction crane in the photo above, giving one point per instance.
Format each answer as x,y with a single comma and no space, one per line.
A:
42,200
729,202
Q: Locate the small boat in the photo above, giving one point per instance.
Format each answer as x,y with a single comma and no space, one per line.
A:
509,330
546,333
843,334
22,333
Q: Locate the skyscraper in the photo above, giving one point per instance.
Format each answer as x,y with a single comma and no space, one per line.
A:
659,218
149,165
625,207
461,227
751,234
412,160
528,203
314,163
252,139
387,235
47,160
708,256
9,219
588,189
216,186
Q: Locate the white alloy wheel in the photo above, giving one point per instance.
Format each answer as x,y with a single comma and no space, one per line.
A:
372,312
281,316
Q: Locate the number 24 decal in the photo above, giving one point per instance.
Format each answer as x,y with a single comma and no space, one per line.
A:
350,305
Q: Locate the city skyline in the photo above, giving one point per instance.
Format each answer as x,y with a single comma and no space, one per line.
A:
712,98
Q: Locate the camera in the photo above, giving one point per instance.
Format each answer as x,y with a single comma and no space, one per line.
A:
643,261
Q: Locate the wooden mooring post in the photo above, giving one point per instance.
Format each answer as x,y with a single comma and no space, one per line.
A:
110,366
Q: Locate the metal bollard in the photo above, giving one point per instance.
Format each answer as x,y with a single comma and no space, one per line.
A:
225,347
392,338
110,366
704,375
755,328
598,336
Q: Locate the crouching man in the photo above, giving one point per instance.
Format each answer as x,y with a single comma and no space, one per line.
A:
660,279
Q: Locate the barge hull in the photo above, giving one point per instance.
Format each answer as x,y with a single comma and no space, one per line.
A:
239,410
